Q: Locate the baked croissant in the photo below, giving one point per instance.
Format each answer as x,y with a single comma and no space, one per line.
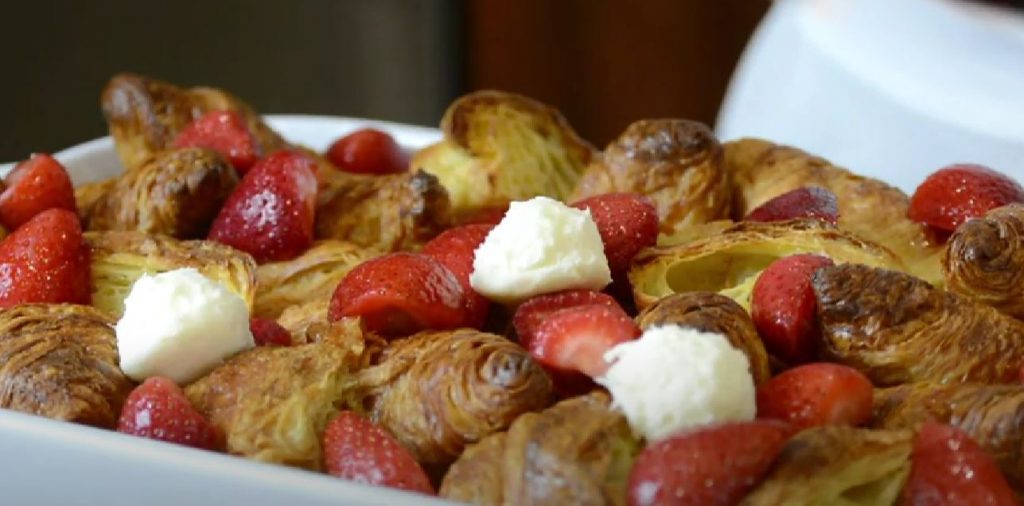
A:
176,193
312,275
60,361
499,147
711,312
984,260
90,194
676,163
837,465
272,403
993,415
730,261
761,170
897,329
440,391
577,452
119,258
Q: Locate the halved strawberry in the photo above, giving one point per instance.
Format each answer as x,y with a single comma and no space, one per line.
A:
713,466
627,222
808,202
456,249
268,332
949,468
226,133
400,293
574,340
158,409
530,314
35,185
356,449
367,151
783,307
955,194
817,394
270,213
45,260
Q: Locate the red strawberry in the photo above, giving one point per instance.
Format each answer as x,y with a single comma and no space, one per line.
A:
808,202
712,466
401,293
356,449
158,409
817,394
530,314
957,193
270,213
949,469
267,332
783,307
574,340
45,260
35,185
456,249
226,133
627,222
367,151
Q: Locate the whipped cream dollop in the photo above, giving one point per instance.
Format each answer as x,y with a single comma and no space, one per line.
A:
540,246
180,324
674,378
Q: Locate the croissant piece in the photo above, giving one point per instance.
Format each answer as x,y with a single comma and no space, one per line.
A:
729,262
674,162
899,329
90,194
272,403
711,312
177,193
761,170
312,275
393,212
60,361
984,260
499,147
440,391
577,452
837,465
120,258
993,415
145,115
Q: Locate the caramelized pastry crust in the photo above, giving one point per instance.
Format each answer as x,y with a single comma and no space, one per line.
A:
984,260
711,312
60,361
674,162
899,329
576,452
439,391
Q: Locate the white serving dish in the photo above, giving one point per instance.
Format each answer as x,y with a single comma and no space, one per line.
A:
45,462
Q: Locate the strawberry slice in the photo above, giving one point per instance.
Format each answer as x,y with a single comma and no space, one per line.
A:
399,294
530,314
783,307
817,394
270,213
268,332
809,202
955,194
45,260
356,449
717,465
367,151
226,133
574,340
456,249
627,222
949,468
35,185
158,409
